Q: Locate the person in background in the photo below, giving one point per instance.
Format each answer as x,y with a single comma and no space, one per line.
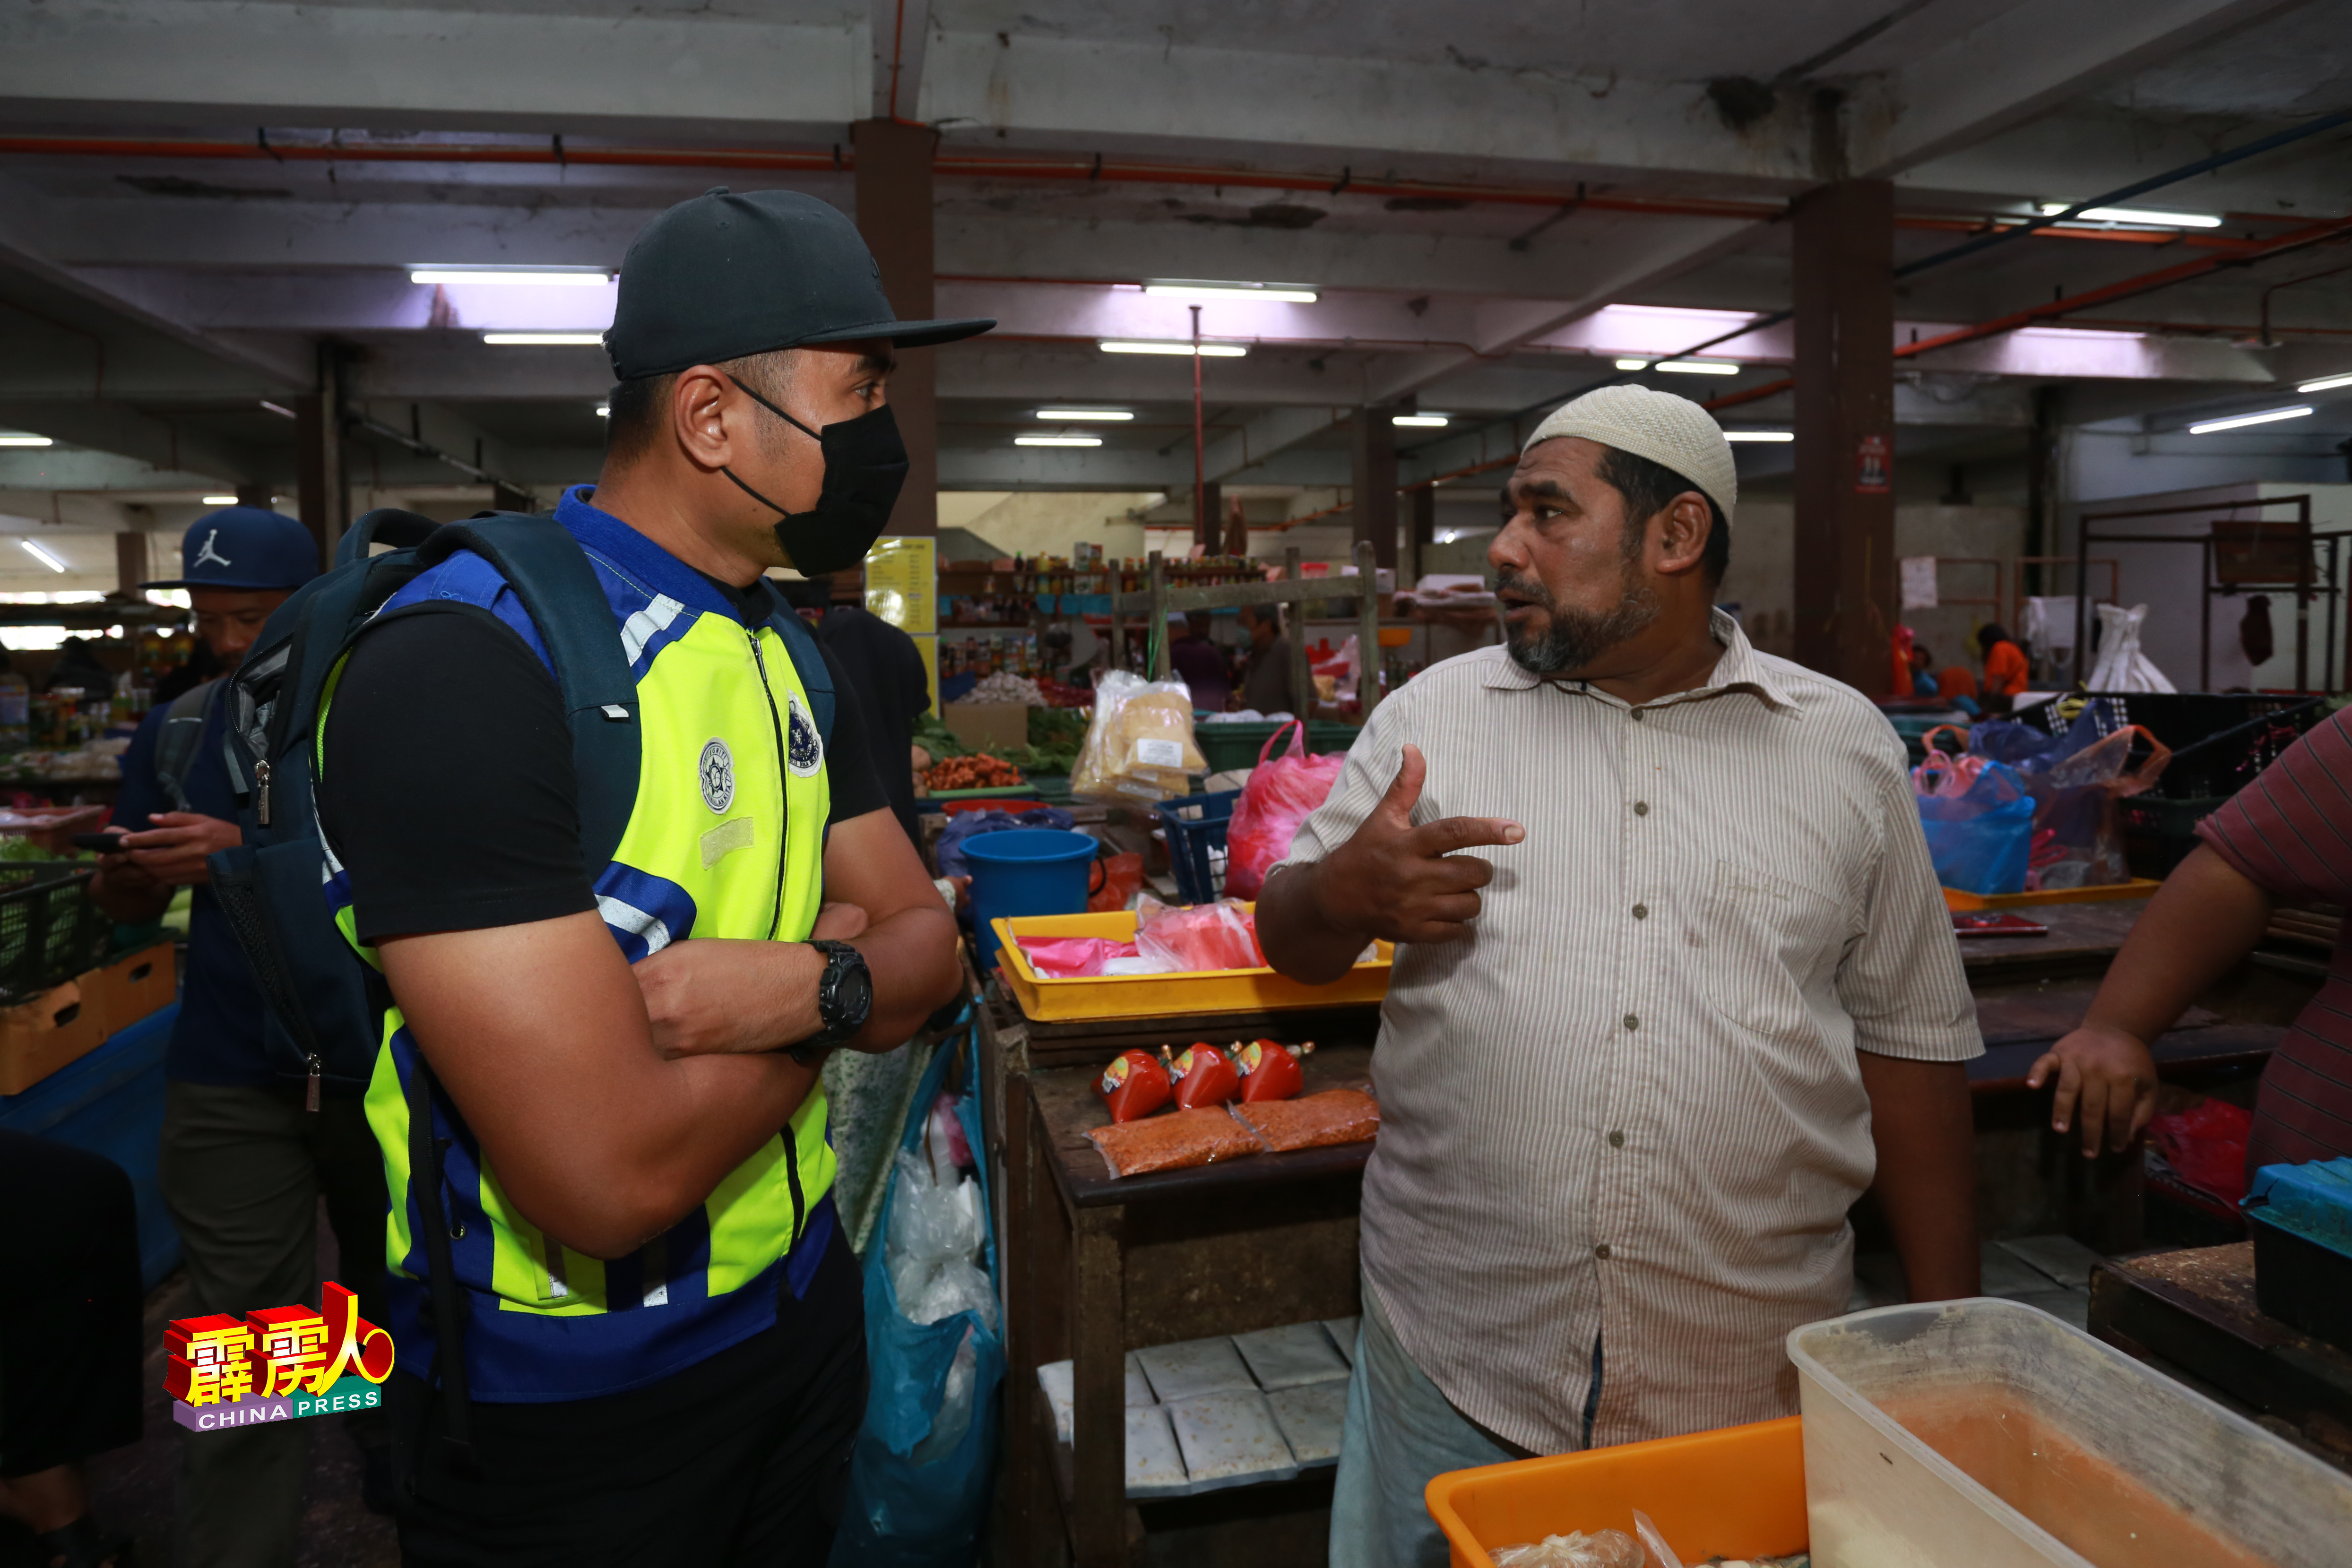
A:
2006,667
2287,835
1265,667
886,669
243,1164
1708,997
1199,663
1923,683
69,1340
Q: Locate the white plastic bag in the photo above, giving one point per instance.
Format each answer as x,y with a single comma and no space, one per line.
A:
935,1236
2122,667
1602,1549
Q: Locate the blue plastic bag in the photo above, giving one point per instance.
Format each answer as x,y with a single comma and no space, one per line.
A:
1981,841
901,1513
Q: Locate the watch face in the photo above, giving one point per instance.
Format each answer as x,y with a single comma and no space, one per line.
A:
857,993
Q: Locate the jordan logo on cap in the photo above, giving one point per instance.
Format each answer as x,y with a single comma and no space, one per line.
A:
210,554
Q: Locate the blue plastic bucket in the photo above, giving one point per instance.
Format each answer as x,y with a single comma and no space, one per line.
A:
1025,870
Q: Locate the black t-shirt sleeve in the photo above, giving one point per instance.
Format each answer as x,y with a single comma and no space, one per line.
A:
849,760
450,793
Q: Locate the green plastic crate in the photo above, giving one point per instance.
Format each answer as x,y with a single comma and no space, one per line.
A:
1231,746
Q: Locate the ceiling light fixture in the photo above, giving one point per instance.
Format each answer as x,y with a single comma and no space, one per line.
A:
1272,292
1098,415
1632,364
1144,346
541,276
603,411
1420,421
2237,421
1759,435
2325,383
545,340
2138,216
1699,367
1057,441
220,500
16,440
43,557
279,409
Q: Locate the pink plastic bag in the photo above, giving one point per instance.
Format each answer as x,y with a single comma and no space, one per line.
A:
1072,957
1281,794
1220,936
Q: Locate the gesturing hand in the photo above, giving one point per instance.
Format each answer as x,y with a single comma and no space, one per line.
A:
1401,882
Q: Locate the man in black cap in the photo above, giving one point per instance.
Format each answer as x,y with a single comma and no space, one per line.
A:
243,1164
657,1319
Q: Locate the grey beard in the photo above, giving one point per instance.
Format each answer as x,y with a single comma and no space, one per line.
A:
1575,638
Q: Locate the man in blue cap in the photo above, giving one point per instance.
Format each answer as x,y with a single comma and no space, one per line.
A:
243,1163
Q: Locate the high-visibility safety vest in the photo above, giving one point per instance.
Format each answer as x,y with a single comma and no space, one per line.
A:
726,840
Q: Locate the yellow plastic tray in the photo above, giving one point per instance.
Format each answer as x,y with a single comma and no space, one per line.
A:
2138,887
1163,995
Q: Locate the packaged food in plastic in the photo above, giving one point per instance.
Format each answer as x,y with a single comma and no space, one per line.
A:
1196,937
1174,1142
1140,746
1201,1075
1270,1069
1315,1121
1133,1087
1602,1549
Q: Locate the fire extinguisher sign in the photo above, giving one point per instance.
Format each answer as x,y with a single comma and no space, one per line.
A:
1874,466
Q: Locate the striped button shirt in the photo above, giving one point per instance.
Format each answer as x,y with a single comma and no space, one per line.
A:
1627,1109
2290,833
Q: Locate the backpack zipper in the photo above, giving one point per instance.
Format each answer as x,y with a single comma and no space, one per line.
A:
311,1095
783,771
261,799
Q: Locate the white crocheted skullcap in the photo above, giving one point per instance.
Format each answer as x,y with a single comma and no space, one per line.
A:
1670,430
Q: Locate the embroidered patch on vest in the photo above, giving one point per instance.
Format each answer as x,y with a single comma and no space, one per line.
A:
718,772
804,752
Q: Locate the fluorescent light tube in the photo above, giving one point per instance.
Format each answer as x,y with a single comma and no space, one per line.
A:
543,278
1208,350
1632,364
43,557
1274,293
603,411
1099,415
2237,421
279,409
1057,441
1759,435
2138,216
1420,421
1699,367
26,441
220,500
544,340
2324,384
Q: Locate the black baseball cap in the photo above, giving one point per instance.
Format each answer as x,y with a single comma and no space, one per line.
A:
727,275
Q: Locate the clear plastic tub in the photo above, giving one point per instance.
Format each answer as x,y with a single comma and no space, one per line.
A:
1985,1434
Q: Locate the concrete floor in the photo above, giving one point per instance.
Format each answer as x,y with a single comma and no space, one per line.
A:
131,1487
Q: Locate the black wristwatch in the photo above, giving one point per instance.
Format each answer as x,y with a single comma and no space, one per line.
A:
844,999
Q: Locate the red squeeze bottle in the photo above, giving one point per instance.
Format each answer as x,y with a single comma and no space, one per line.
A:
1202,1077
1269,1070
1133,1087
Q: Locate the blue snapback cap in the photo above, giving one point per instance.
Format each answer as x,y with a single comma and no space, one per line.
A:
247,548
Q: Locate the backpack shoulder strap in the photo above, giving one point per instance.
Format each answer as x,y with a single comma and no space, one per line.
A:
551,574
808,662
175,747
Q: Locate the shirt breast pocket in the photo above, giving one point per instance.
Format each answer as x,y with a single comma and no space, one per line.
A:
1767,941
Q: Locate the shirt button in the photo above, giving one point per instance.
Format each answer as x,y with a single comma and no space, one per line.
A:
1616,1140
1601,1251
1640,912
1637,715
1632,1021
1641,808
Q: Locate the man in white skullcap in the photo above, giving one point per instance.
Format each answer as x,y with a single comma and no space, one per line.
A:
1676,986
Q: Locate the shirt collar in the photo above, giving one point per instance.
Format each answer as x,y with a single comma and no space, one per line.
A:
1739,668
600,531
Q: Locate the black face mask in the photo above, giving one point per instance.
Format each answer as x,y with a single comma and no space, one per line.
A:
864,468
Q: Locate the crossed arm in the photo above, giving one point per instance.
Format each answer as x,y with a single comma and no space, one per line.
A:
614,1100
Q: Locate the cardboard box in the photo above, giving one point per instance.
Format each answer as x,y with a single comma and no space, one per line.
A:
1005,726
38,1036
131,988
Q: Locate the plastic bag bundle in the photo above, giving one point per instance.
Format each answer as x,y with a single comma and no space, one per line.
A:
1981,839
1602,1549
1140,746
1281,793
2076,780
936,1230
1220,936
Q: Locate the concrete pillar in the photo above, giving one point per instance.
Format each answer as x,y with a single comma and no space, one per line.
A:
1423,530
323,489
130,564
894,213
1237,529
1846,592
1209,531
1374,502
256,496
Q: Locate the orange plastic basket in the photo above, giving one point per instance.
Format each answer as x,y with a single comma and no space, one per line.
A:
1736,1492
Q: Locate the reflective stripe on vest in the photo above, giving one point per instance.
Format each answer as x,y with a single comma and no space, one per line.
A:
726,840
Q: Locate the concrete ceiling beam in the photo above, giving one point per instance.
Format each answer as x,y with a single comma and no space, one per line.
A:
127,432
